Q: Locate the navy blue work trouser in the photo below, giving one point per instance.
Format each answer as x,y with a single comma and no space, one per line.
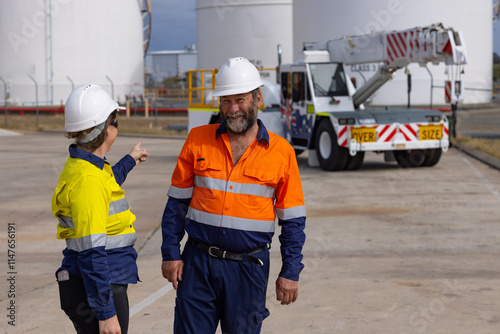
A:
214,289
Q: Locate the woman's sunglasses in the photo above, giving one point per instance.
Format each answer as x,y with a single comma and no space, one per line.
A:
115,122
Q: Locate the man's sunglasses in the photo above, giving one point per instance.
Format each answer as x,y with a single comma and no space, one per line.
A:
114,123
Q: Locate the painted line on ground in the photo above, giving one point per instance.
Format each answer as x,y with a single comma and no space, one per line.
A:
4,132
149,300
483,179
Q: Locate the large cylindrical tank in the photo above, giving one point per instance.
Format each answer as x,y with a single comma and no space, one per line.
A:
251,29
54,45
322,20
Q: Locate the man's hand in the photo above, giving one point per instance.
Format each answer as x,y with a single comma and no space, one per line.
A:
110,326
287,290
172,271
139,154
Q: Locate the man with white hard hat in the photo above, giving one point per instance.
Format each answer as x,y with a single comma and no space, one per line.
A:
94,217
230,182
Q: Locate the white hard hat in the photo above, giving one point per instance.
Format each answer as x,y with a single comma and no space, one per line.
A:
236,76
87,106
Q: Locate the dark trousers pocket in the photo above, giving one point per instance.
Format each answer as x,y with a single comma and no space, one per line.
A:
74,303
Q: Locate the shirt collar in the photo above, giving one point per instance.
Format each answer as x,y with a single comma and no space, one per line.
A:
262,134
76,152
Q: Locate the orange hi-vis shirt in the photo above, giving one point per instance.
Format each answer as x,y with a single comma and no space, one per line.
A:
234,207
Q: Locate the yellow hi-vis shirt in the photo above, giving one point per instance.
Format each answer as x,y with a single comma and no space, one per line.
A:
91,208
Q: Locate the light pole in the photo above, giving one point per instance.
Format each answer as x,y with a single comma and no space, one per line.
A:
5,98
72,83
36,99
112,87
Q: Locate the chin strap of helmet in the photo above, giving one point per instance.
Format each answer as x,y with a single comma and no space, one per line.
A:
92,134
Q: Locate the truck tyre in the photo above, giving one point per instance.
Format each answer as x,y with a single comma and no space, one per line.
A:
354,162
432,157
413,158
331,156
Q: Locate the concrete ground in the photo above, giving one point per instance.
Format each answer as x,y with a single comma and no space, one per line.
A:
388,250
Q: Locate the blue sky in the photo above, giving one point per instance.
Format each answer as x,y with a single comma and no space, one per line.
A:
496,37
174,25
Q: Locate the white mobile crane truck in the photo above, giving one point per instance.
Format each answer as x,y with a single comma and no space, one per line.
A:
320,110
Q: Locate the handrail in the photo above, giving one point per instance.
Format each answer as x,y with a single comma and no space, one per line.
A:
200,89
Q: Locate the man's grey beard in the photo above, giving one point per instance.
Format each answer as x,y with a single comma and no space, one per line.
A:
246,124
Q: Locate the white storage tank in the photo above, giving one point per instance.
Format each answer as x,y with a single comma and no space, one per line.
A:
251,29
60,44
322,20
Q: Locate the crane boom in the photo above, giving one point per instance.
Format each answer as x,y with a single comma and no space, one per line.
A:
395,49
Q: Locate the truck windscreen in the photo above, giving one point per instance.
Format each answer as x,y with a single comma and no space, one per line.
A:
328,79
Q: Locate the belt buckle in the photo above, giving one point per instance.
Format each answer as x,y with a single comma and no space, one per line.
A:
216,249
210,251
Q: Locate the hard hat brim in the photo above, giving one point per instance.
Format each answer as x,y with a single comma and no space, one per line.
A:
225,91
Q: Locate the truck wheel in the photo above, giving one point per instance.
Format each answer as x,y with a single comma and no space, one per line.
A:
355,162
413,158
432,157
331,156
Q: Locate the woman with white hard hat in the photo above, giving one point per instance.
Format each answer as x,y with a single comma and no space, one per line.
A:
94,217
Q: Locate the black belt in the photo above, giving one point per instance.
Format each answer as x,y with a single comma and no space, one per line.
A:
220,253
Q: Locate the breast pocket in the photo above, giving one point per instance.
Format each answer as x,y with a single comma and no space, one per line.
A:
208,178
260,185
267,177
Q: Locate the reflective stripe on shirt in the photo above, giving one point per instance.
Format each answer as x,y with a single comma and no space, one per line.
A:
291,213
230,222
86,242
66,222
234,187
118,206
97,240
180,193
122,240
